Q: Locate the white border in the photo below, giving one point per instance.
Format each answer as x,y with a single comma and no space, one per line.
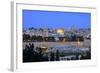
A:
17,38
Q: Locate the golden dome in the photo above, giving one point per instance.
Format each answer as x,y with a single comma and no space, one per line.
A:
60,31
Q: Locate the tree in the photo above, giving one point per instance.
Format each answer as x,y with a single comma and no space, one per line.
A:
57,55
26,37
52,58
73,37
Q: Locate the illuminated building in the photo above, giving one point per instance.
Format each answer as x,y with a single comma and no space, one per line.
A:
60,31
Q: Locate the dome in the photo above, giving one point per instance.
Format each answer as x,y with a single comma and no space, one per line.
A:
60,31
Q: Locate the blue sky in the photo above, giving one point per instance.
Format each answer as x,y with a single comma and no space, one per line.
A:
55,19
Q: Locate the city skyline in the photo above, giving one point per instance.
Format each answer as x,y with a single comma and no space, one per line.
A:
55,19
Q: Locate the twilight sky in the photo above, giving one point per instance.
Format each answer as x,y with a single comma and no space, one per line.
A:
55,19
